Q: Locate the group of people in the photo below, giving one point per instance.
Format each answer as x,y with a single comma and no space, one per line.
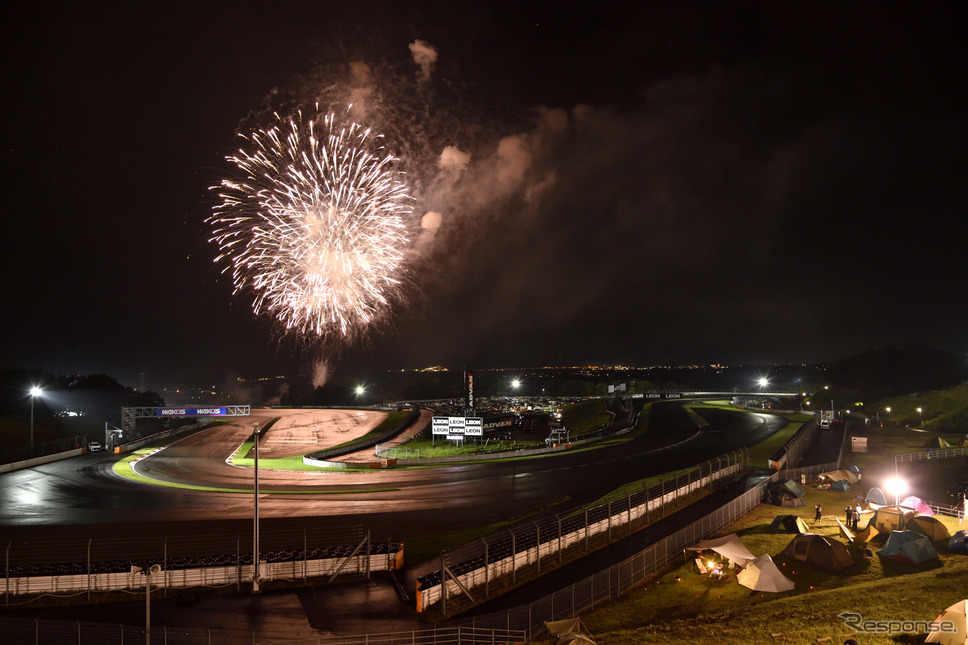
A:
853,517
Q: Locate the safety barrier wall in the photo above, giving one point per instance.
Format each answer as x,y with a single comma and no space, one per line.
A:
202,576
792,450
546,544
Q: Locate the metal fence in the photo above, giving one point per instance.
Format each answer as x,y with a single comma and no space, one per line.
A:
931,454
488,567
54,632
72,564
607,585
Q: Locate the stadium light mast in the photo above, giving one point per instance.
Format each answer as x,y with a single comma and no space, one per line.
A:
255,523
34,393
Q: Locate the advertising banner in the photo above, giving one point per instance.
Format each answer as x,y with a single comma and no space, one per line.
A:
190,412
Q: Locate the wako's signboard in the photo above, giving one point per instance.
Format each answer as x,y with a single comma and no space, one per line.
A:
458,427
190,412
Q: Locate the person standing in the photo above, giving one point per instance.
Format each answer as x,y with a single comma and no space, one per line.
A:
817,509
849,515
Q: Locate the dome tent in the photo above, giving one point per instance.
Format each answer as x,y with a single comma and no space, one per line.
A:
917,504
820,551
840,485
955,617
788,524
876,495
910,547
959,542
929,525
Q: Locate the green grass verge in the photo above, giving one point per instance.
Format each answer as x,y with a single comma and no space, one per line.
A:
760,453
123,468
584,416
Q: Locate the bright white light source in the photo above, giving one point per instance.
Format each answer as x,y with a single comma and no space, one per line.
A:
896,486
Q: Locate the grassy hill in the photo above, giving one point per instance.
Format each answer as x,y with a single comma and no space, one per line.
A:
682,606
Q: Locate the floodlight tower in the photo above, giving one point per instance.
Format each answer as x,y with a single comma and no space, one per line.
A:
34,393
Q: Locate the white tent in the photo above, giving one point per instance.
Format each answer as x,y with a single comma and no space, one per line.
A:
956,630
761,574
569,632
729,546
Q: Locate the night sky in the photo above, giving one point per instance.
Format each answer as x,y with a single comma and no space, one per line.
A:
594,182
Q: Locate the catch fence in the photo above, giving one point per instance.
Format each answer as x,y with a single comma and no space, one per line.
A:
75,564
474,572
607,585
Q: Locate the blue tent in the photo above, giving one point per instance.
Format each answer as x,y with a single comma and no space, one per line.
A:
854,469
876,495
959,542
910,547
840,485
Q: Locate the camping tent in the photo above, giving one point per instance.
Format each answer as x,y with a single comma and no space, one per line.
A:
910,547
840,485
819,551
793,488
876,495
959,542
729,546
915,503
761,574
836,476
845,532
569,632
788,524
854,469
887,519
929,525
938,443
955,616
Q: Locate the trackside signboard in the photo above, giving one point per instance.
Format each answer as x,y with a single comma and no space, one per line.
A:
458,427
190,412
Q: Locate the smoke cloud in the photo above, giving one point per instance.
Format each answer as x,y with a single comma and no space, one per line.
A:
425,56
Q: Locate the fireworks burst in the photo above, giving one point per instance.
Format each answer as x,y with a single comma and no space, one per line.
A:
315,226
